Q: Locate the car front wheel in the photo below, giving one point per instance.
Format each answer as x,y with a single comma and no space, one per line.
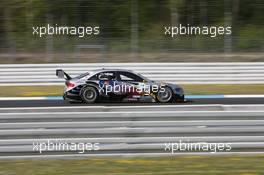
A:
165,95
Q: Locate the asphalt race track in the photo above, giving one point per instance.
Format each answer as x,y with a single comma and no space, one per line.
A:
46,103
131,129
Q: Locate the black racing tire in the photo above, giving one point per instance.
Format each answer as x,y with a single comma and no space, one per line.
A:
89,94
165,96
179,98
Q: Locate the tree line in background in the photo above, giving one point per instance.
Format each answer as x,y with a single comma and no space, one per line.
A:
132,22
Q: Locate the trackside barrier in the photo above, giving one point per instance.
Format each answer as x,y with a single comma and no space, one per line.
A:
179,73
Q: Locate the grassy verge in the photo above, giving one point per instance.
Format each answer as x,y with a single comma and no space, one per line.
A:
223,89
203,165
31,91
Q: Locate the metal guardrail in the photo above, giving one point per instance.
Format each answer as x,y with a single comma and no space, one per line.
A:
180,73
129,130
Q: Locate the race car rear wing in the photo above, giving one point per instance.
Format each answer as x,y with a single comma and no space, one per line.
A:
61,74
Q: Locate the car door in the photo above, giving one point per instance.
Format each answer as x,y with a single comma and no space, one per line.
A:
131,81
106,81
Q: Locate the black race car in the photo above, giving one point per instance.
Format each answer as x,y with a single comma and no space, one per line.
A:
117,85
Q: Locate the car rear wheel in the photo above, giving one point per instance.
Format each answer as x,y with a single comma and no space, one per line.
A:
89,94
165,95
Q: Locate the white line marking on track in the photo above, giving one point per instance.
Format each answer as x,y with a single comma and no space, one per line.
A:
127,112
123,107
113,107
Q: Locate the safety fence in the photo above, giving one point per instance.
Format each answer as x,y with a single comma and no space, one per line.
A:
180,73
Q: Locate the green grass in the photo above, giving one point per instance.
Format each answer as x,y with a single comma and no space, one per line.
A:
183,165
224,89
31,91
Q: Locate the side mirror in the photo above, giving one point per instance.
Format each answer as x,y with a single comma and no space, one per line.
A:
60,73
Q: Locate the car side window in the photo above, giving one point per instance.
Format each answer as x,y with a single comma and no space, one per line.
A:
103,75
127,76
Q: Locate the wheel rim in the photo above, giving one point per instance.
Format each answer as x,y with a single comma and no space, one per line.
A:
90,95
164,96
